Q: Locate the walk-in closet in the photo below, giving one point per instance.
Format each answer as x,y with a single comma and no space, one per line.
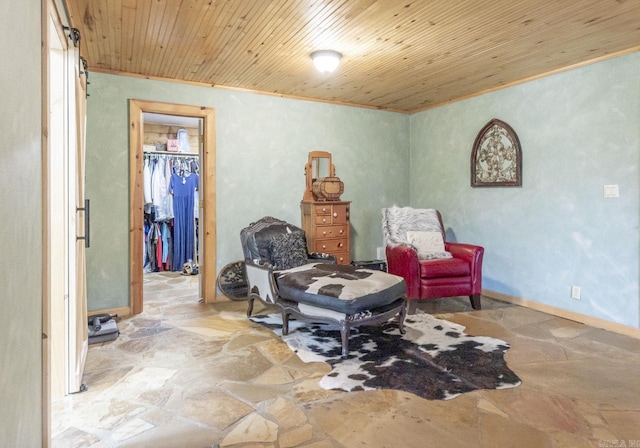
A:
171,173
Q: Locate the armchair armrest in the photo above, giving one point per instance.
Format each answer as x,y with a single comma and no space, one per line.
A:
473,255
468,252
261,281
263,262
402,260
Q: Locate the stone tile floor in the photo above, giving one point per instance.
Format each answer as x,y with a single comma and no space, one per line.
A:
186,374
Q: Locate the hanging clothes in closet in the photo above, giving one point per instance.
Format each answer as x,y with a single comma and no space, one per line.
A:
183,186
170,190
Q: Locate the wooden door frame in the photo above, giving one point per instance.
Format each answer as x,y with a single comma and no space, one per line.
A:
207,196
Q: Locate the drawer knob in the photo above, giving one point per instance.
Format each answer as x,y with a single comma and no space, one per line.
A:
324,209
324,233
340,244
324,246
335,214
324,220
341,231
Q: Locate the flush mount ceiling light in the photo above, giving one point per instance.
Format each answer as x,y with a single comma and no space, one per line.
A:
326,60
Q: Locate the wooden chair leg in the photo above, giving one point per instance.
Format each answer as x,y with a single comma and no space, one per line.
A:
250,307
285,322
401,316
412,305
475,301
344,333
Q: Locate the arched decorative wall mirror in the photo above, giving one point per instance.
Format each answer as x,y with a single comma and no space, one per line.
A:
496,160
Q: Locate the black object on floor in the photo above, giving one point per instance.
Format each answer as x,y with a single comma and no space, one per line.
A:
378,265
102,328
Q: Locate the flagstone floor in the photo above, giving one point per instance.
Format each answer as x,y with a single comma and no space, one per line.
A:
186,374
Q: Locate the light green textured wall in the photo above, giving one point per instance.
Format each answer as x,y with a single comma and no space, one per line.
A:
262,143
21,230
579,130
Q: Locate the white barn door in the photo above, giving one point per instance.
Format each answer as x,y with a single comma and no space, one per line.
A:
79,213
66,325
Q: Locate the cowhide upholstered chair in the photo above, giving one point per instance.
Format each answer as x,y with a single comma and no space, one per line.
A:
311,287
432,268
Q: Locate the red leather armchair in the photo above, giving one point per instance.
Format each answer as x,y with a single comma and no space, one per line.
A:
460,275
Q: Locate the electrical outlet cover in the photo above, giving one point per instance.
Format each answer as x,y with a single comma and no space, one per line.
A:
575,292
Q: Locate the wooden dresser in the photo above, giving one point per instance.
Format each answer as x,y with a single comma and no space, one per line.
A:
326,224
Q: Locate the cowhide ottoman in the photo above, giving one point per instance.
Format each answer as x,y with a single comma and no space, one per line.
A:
341,294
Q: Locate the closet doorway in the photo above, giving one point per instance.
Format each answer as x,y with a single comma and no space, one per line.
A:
206,191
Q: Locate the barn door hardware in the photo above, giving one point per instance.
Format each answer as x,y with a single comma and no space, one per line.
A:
87,215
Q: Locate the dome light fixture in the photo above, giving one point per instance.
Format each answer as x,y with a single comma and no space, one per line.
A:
326,61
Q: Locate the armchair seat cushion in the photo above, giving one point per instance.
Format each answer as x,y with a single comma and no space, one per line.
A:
444,267
343,288
445,282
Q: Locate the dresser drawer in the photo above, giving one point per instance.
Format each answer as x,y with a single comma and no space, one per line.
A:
324,209
342,258
332,214
332,245
323,220
336,231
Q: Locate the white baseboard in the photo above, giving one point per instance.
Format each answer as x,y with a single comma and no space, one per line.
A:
566,314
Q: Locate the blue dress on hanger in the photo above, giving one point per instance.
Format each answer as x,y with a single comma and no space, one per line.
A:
183,189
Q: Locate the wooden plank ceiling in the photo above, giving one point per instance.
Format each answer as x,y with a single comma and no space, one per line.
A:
397,55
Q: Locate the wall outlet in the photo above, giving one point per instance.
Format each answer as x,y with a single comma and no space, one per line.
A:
575,292
611,191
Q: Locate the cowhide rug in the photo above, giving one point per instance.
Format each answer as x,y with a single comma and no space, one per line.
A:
434,359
